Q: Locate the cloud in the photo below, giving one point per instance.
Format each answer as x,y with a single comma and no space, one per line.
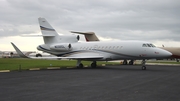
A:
149,20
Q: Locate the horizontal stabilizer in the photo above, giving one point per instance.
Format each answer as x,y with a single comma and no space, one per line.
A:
89,36
31,35
47,35
84,33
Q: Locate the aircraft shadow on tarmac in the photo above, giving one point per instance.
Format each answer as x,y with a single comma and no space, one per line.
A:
122,68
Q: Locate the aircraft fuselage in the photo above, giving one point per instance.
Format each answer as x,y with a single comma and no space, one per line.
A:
113,50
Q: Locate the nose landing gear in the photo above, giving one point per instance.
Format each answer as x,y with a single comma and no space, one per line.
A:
143,64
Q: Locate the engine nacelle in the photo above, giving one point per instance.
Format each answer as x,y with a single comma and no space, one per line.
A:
61,47
69,38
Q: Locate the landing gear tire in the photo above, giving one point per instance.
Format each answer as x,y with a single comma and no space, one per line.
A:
143,64
93,65
125,62
38,55
143,67
80,66
131,62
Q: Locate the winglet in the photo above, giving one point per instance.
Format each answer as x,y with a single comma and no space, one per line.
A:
18,51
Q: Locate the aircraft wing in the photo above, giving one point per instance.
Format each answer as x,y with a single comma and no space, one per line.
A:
75,56
69,57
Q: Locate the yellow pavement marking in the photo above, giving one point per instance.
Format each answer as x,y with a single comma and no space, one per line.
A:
34,69
3,71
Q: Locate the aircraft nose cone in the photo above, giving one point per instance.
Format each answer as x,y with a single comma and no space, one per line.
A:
169,54
166,53
162,54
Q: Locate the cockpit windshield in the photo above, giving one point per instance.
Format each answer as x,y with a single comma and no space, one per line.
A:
148,45
152,45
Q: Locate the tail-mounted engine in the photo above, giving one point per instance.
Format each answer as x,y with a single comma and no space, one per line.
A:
69,38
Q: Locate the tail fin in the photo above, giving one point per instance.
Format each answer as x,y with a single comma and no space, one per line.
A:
90,36
48,32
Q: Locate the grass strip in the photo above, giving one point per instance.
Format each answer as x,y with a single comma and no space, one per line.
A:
25,64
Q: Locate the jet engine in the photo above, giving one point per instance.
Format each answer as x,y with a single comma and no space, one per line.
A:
69,38
61,47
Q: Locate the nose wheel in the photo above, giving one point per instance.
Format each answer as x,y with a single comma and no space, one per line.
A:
143,67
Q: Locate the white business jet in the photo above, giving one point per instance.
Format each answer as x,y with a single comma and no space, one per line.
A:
68,47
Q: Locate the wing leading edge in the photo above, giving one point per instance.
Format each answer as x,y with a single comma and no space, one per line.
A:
77,56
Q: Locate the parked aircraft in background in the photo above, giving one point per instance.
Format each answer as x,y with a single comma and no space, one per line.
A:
69,48
175,52
13,54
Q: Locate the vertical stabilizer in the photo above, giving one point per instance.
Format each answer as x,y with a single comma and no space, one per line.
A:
48,32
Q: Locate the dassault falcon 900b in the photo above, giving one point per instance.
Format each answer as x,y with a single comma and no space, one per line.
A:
68,47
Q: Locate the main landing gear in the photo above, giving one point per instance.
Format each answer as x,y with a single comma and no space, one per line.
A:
131,62
93,64
125,62
80,65
143,64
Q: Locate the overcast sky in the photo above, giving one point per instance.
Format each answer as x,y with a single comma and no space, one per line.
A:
157,21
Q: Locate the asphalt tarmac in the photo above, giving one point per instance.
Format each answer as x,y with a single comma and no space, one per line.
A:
110,83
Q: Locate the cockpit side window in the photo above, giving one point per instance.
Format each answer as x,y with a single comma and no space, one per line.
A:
144,45
148,45
151,45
